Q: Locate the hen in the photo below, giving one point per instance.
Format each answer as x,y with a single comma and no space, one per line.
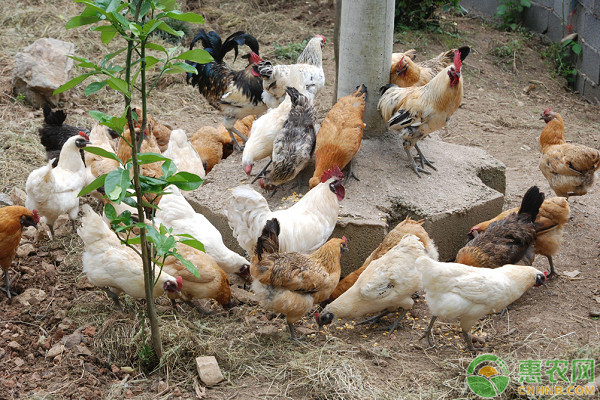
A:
508,240
340,134
183,154
212,284
569,168
294,145
549,225
114,267
386,285
276,78
53,191
161,133
12,221
405,72
289,282
97,165
55,133
417,111
175,212
235,94
406,227
304,227
457,291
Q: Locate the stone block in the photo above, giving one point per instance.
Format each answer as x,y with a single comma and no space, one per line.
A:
592,91
484,6
561,7
591,31
555,31
536,18
467,188
590,62
208,370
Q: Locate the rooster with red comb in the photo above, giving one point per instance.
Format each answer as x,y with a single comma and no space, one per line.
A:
415,112
304,227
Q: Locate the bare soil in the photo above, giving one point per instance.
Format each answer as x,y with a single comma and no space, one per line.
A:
103,354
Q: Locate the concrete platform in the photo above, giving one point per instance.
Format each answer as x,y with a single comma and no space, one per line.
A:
467,188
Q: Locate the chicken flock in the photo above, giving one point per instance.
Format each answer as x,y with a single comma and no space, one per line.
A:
269,112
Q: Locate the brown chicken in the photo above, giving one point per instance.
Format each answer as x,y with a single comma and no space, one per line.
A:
161,132
569,168
212,284
12,221
340,135
507,241
149,145
406,227
290,283
243,126
550,222
405,72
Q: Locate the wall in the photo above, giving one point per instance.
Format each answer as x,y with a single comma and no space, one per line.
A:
546,16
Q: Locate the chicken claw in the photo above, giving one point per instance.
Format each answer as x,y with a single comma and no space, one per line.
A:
427,333
373,320
423,160
234,142
7,288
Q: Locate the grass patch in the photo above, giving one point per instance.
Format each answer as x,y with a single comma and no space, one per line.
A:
291,51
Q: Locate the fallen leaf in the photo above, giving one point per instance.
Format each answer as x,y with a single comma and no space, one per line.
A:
571,274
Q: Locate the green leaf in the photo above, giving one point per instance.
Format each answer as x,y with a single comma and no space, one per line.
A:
107,36
168,168
110,212
72,83
96,183
501,10
155,46
110,56
134,240
136,29
190,267
148,158
576,48
150,27
167,5
179,67
151,61
120,19
166,28
115,123
101,152
196,244
185,180
94,87
526,3
116,184
197,55
187,17
118,84
81,21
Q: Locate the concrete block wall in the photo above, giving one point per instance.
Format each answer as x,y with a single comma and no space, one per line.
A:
547,16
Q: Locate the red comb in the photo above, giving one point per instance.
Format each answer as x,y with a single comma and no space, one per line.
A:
547,110
332,172
83,135
322,37
179,280
457,60
254,58
36,216
344,239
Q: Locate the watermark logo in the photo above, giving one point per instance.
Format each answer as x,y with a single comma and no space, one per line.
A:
487,376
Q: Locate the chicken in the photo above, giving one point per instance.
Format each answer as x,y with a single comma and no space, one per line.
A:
98,165
161,133
549,225
183,154
113,267
386,285
212,284
305,226
53,191
175,212
235,94
12,221
569,168
55,133
406,227
289,282
457,291
417,111
508,240
340,134
266,128
294,145
243,126
276,78
405,72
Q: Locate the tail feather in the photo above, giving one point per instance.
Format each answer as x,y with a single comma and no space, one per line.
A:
464,52
268,242
385,88
246,211
448,56
360,90
532,202
294,95
53,117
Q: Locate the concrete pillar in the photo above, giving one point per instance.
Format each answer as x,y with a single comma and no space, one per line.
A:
366,36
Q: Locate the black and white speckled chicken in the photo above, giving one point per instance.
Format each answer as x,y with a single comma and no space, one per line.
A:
295,143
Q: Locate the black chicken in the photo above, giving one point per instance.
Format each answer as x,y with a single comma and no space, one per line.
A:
235,94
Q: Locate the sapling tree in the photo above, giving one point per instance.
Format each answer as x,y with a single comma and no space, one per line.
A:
134,22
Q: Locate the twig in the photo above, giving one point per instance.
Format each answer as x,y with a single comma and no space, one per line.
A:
25,323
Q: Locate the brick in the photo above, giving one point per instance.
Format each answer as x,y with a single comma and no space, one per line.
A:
208,370
555,31
536,18
591,30
590,62
485,6
592,92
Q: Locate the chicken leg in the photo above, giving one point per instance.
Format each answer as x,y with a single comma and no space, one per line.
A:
394,325
427,333
467,338
51,232
413,165
234,142
7,288
350,173
114,297
262,171
373,320
424,161
552,271
292,331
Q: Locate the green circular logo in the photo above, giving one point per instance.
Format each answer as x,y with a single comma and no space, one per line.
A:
485,379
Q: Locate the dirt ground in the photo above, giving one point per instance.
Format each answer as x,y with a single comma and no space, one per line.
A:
70,341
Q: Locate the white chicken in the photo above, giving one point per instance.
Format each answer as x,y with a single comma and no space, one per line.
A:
385,285
304,227
457,291
182,153
175,212
266,127
97,165
114,267
277,78
53,191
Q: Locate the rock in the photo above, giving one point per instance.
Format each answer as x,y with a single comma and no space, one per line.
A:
18,361
18,197
571,274
73,340
49,269
90,331
41,68
25,249
55,350
29,232
59,256
595,314
467,188
208,370
14,346
128,370
82,350
162,386
267,331
243,296
31,296
65,324
5,200
305,331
